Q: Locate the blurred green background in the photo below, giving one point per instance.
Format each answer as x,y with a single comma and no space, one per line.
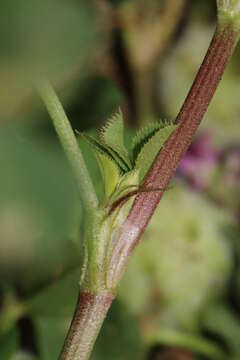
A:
179,299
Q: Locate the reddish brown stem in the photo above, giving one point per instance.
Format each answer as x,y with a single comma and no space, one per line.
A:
163,169
189,118
89,315
92,308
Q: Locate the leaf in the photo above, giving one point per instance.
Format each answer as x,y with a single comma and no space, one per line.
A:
143,136
110,169
51,332
52,311
151,149
128,183
33,190
187,341
99,147
9,344
27,53
221,321
121,163
94,143
110,173
120,337
112,135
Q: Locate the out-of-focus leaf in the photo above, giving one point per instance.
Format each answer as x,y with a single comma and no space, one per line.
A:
8,344
35,39
95,100
51,332
198,345
58,298
220,321
52,311
119,338
38,200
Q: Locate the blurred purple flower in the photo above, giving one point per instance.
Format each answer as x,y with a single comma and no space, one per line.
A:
199,162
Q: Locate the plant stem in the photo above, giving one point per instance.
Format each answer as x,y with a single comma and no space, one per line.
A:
92,308
69,143
189,118
90,313
163,169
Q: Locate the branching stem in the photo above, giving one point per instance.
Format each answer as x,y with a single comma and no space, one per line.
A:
164,167
92,307
189,118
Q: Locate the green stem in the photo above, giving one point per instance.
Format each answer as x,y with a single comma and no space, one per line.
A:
69,143
90,313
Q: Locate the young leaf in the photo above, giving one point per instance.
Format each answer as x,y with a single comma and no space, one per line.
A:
150,150
110,173
98,146
110,168
128,183
112,135
143,136
121,163
95,144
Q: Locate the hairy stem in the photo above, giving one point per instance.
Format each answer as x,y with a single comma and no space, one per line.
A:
69,143
189,119
164,167
90,313
92,308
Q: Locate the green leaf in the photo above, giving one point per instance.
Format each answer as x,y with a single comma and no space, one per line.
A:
110,169
33,190
187,341
25,52
121,163
221,321
127,184
9,344
99,147
112,135
51,311
143,136
151,149
120,337
95,144
51,332
110,173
